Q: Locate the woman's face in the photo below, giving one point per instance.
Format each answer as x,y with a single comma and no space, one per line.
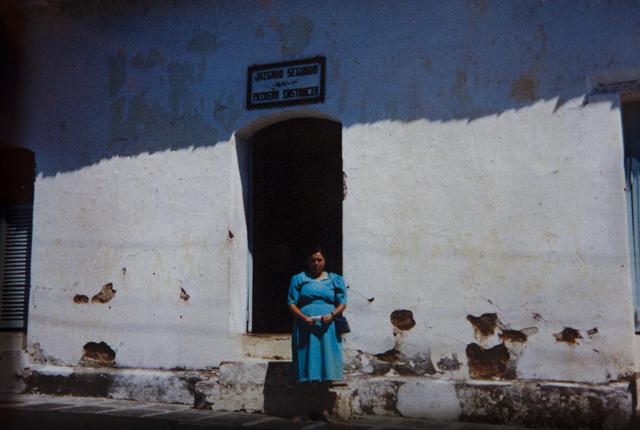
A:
316,263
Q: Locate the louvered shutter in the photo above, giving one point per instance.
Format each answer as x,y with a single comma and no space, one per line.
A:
15,255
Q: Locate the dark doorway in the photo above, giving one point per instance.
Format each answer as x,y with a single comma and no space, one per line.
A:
297,192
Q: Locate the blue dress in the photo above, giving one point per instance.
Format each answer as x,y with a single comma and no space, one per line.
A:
317,349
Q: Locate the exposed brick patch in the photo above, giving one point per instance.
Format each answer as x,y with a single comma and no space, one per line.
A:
98,355
403,319
489,363
105,295
513,336
484,325
568,335
80,298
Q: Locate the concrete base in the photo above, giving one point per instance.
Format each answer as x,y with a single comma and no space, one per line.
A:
126,384
526,403
268,387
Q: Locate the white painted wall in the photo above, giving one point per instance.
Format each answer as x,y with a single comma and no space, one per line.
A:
493,217
478,180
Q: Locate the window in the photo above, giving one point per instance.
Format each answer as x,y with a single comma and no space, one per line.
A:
16,214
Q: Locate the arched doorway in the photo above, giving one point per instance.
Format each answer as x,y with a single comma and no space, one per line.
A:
296,202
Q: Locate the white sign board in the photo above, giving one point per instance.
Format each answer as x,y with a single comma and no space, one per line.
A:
283,84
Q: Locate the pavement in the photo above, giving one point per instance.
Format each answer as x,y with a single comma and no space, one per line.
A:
30,411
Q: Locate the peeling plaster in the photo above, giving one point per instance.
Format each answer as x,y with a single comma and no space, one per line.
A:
98,355
569,335
402,319
484,326
80,298
105,294
489,363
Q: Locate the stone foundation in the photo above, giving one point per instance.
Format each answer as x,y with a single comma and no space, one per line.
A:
268,387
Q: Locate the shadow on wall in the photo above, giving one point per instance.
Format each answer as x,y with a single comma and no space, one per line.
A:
115,79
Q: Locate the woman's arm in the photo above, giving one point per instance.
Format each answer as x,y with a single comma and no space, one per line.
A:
298,314
334,313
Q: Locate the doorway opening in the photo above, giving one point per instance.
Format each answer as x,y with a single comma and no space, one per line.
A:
296,202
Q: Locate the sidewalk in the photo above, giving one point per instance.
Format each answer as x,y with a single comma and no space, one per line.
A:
57,412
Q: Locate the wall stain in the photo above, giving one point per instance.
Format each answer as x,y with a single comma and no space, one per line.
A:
147,124
524,89
391,108
334,69
203,45
481,6
226,112
427,64
63,129
342,96
145,62
294,35
116,122
117,65
460,89
38,355
181,75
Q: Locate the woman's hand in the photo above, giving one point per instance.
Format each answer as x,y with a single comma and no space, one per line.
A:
327,319
298,313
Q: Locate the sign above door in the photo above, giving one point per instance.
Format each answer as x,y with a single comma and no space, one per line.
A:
285,84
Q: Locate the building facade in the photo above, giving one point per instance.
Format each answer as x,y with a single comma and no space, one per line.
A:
465,162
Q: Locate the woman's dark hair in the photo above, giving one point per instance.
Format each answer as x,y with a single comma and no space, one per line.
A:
309,251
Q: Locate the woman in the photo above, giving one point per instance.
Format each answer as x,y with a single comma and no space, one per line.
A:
315,298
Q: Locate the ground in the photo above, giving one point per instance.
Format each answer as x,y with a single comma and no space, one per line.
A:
70,413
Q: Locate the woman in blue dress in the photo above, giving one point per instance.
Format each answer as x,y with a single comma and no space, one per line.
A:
315,298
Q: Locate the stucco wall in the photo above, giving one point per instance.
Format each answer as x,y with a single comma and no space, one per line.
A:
480,180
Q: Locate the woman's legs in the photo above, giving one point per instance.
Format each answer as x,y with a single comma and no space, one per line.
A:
319,400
